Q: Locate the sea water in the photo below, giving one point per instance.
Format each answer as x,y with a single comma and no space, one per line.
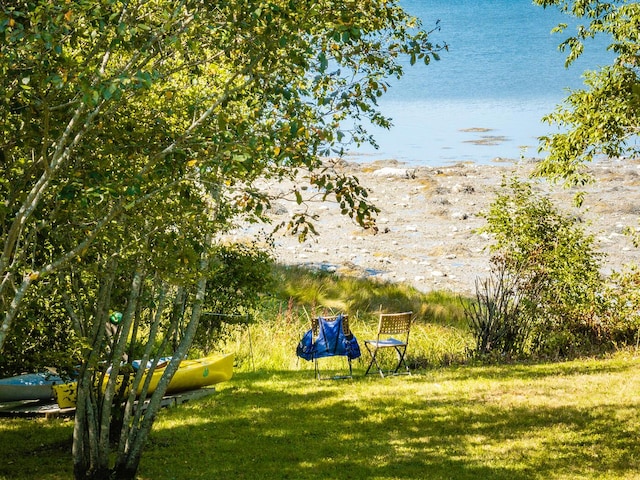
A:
484,100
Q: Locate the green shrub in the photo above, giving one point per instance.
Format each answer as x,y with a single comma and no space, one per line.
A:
557,266
240,274
43,336
623,294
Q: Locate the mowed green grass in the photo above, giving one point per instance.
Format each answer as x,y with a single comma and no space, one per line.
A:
572,420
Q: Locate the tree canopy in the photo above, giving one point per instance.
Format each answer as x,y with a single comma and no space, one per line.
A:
112,110
133,133
604,117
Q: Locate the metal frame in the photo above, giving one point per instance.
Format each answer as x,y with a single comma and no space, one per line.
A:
388,325
315,329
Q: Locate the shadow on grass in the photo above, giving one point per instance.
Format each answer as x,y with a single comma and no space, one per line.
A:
289,427
573,420
35,448
533,371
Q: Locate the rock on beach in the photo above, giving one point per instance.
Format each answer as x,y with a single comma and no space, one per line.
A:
429,219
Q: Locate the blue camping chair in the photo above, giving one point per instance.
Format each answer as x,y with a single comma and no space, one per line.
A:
329,337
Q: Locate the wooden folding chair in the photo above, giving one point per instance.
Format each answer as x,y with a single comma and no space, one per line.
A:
398,324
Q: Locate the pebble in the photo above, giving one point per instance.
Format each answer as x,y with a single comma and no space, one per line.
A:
434,220
395,172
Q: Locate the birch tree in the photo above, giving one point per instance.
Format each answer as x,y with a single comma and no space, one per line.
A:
114,102
134,132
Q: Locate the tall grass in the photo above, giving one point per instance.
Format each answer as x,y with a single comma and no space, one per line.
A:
439,334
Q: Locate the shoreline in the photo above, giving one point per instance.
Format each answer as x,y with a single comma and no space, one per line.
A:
429,216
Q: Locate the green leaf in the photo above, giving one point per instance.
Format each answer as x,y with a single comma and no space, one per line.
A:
324,63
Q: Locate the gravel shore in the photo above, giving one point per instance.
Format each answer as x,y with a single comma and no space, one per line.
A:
427,227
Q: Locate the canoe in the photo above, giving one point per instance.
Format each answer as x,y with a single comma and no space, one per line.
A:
191,375
30,386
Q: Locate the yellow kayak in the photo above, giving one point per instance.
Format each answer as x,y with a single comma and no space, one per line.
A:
191,375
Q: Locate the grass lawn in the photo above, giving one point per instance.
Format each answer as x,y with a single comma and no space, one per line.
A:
571,420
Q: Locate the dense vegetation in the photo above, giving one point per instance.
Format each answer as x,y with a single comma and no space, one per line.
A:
547,296
134,134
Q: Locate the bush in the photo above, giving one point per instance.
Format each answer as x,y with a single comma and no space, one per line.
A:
42,337
623,294
558,270
240,275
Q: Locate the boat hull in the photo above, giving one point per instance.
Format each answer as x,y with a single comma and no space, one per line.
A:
30,386
191,375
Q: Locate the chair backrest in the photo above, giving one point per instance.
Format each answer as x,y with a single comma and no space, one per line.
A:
332,336
315,324
395,323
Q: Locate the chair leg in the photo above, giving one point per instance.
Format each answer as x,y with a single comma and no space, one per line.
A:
372,353
371,362
369,367
374,360
401,361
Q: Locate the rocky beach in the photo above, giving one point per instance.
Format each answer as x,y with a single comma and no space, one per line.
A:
429,219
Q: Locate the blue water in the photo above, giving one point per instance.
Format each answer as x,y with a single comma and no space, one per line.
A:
503,72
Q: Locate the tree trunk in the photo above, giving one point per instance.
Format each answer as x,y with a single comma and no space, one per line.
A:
129,461
104,423
86,434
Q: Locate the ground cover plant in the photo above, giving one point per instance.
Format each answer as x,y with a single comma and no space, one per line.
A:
569,420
